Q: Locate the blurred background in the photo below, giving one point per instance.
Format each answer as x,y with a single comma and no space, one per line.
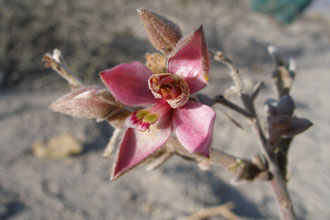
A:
96,35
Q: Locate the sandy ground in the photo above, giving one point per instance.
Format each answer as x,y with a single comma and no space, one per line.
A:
79,187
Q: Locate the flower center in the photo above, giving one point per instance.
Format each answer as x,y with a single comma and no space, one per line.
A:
165,85
170,88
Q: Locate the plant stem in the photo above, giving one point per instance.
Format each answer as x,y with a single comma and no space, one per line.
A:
57,63
278,182
217,158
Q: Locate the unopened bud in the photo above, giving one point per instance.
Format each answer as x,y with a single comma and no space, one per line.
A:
84,102
163,33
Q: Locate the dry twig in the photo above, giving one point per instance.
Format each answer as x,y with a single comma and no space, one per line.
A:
57,63
278,183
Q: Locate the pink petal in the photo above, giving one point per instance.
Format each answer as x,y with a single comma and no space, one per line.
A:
138,145
142,119
128,83
194,126
190,60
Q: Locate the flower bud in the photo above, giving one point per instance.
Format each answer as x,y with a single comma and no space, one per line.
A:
163,33
84,102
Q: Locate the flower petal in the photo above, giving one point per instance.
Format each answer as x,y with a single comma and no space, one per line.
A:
191,61
194,126
142,119
138,145
128,83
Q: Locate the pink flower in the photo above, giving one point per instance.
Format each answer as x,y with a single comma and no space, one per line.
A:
167,95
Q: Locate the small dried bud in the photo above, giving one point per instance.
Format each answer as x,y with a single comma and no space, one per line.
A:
297,126
163,33
272,110
286,105
279,123
84,102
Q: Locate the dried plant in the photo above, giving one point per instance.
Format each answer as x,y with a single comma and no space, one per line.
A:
163,115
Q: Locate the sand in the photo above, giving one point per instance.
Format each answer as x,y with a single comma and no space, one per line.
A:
79,188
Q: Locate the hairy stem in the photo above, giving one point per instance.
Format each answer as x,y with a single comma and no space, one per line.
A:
222,100
217,158
241,168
